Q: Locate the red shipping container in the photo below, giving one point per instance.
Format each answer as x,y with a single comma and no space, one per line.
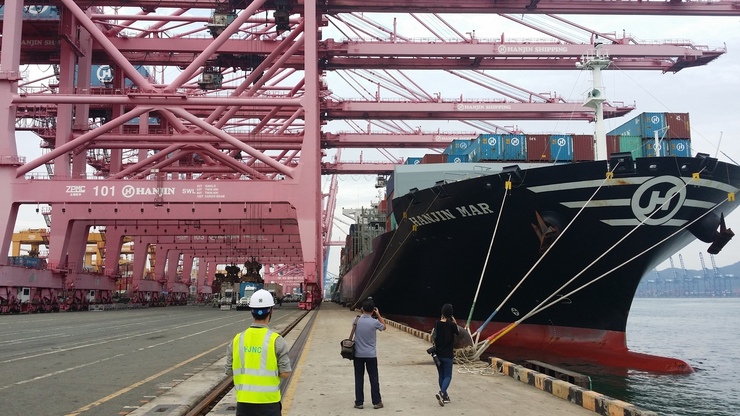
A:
612,144
434,158
538,148
678,126
583,147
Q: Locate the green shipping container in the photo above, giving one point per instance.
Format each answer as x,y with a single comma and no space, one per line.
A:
631,144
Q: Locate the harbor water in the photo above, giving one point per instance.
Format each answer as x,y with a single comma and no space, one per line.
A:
703,332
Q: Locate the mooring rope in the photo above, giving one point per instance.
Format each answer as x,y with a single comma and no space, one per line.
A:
539,308
511,293
507,188
535,311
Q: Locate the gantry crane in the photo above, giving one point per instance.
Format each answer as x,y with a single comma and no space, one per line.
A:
224,161
687,286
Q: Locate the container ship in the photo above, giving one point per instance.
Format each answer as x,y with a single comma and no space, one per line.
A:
550,254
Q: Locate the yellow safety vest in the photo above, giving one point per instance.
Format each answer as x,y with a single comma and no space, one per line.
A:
255,366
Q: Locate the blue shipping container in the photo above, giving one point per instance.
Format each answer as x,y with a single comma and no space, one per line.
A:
487,147
650,148
679,147
644,125
39,12
153,121
515,147
457,147
27,261
457,158
103,74
412,161
561,148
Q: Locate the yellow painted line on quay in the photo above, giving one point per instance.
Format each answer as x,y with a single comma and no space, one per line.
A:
139,383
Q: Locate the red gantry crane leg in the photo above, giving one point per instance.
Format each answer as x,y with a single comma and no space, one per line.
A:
197,137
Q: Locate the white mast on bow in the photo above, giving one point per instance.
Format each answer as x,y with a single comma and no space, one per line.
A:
595,98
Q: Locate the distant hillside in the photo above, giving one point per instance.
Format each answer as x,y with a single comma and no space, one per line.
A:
675,282
733,269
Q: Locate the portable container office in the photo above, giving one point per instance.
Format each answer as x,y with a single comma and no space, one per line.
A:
561,148
515,147
538,147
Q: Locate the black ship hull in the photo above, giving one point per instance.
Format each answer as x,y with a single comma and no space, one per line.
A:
564,235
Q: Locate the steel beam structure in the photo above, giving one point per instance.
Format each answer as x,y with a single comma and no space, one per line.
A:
222,159
693,8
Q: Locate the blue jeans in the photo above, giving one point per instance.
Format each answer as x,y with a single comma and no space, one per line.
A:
445,374
372,372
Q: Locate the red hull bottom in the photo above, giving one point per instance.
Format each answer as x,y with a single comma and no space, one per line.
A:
540,342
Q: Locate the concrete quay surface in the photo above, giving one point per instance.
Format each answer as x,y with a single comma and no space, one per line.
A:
323,382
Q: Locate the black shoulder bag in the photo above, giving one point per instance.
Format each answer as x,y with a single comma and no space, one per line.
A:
348,345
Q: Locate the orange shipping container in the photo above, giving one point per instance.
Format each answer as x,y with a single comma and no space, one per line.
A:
538,148
678,126
434,158
583,147
612,144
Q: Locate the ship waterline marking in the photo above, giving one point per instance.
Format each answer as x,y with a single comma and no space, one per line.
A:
461,211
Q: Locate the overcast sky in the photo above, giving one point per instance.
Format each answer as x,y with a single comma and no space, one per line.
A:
708,94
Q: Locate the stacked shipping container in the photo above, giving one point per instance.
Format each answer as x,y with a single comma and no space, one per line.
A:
636,136
655,134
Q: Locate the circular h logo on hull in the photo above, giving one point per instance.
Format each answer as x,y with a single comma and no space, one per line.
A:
663,196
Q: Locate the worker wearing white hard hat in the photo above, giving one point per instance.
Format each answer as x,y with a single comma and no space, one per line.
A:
261,299
257,359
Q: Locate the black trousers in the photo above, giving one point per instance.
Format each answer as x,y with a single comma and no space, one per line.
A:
371,364
262,409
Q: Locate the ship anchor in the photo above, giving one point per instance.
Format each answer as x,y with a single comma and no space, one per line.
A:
722,237
546,231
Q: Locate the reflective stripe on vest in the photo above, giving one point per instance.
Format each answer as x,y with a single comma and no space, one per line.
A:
255,366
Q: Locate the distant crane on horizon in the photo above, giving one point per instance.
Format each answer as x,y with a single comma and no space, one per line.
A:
686,279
